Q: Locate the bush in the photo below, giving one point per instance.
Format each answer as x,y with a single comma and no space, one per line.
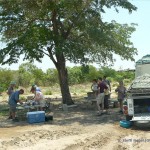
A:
48,92
127,81
1,89
22,98
115,84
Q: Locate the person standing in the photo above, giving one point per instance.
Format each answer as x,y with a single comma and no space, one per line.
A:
106,99
121,90
105,80
100,99
13,100
94,87
9,92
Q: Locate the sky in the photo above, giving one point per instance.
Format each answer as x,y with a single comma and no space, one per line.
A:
140,38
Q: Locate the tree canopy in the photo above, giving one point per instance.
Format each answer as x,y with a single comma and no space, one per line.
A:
63,30
74,28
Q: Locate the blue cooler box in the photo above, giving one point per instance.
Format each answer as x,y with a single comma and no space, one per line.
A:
36,116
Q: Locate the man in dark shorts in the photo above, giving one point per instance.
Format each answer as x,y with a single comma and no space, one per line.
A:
106,99
13,100
9,92
105,80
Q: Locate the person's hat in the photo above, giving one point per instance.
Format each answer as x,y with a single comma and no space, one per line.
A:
34,85
12,82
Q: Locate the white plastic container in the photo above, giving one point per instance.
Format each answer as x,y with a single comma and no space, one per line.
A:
65,107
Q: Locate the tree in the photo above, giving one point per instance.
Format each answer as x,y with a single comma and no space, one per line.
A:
63,30
6,76
51,76
75,75
25,75
93,73
109,72
29,74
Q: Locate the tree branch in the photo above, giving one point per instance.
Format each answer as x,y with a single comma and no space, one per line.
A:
49,49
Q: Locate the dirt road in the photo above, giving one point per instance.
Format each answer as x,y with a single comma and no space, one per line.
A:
74,130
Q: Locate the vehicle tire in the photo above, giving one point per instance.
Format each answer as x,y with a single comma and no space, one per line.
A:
128,118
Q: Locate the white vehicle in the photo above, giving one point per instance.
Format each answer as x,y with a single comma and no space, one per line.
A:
136,107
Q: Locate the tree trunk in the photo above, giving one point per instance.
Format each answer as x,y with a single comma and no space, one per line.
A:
60,65
63,80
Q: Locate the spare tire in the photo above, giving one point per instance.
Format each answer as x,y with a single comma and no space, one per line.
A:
125,124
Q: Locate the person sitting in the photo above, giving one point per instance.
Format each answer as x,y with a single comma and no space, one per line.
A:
39,98
13,100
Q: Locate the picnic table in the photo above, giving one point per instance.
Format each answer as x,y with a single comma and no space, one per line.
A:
91,99
23,109
29,106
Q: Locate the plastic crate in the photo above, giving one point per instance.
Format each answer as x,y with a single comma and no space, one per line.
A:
36,117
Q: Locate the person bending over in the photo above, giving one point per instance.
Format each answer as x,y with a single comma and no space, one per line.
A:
13,100
39,98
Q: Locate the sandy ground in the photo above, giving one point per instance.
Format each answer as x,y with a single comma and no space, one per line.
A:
78,129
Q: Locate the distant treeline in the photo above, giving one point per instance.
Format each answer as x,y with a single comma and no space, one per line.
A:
29,73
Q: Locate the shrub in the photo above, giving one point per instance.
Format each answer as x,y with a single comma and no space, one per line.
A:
22,98
115,84
48,92
127,81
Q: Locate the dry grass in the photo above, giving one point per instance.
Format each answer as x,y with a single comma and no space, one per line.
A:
79,90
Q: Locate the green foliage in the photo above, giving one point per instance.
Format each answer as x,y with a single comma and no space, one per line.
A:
3,113
127,81
22,98
1,89
51,77
29,73
110,79
125,75
118,77
4,109
25,74
109,72
93,73
75,75
48,92
6,76
63,30
115,84
57,28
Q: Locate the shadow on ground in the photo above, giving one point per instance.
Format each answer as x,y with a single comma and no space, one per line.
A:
84,113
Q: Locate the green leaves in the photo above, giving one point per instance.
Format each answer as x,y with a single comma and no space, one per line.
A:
73,30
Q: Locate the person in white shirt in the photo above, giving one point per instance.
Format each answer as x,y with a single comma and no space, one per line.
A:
94,87
39,98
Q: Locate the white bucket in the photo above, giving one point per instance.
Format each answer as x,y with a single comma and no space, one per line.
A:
65,107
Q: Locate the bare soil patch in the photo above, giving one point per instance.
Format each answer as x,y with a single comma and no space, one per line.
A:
78,129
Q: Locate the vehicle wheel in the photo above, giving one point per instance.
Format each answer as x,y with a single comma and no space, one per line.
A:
128,118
